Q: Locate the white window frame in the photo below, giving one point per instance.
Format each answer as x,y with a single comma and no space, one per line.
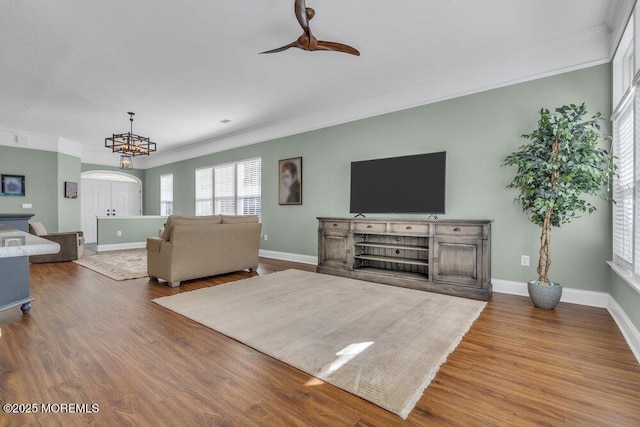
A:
166,195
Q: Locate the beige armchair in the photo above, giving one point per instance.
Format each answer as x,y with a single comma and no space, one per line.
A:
71,244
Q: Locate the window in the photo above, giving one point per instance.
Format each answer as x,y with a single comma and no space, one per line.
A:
237,188
225,189
627,66
626,149
204,191
166,194
249,187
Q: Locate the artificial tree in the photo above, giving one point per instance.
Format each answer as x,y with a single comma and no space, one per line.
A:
561,164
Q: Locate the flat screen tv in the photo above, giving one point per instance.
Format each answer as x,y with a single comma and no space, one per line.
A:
408,184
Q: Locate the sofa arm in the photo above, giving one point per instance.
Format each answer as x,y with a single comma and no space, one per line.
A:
159,256
70,248
154,244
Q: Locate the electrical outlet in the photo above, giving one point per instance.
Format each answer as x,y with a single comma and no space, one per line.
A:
524,260
266,237
119,233
27,206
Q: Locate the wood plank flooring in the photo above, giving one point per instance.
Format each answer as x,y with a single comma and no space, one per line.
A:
89,339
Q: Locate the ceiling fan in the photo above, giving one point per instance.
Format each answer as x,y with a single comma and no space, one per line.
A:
307,41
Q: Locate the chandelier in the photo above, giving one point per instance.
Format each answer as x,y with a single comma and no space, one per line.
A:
129,145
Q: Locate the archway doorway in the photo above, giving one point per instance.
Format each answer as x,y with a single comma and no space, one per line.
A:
108,193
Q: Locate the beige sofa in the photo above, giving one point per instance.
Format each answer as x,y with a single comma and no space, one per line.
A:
195,247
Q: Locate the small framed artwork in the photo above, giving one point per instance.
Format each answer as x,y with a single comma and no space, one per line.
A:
290,181
70,190
13,185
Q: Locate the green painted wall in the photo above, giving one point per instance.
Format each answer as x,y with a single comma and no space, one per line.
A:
68,209
477,131
134,229
40,169
45,173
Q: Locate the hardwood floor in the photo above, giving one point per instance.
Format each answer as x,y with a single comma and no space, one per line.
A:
89,339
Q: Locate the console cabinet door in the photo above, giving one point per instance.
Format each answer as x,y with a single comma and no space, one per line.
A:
335,250
457,260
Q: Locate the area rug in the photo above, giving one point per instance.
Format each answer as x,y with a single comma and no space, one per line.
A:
382,343
120,265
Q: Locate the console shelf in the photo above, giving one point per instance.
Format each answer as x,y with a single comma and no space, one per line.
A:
447,256
392,246
392,259
378,272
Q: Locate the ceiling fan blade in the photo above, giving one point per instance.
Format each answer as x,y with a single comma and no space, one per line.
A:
300,8
280,49
337,47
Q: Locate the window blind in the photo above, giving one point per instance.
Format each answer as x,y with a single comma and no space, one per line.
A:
249,181
204,191
631,172
623,184
166,194
224,189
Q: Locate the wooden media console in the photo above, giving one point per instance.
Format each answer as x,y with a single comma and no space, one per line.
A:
447,256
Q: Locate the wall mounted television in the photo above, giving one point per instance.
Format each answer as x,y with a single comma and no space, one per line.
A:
408,184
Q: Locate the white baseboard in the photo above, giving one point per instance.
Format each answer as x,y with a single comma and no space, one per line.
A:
570,295
121,246
509,287
285,256
629,331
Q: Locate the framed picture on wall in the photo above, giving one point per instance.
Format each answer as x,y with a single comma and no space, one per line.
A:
290,181
70,190
13,185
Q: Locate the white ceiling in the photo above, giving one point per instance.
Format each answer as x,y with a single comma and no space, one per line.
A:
73,68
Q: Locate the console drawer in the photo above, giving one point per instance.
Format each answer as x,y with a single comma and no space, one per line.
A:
370,227
335,225
406,227
459,230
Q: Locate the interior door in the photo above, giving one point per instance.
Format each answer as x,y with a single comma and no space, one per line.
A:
125,199
96,201
103,197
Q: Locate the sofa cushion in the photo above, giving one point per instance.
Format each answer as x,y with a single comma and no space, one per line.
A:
37,228
174,220
238,219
